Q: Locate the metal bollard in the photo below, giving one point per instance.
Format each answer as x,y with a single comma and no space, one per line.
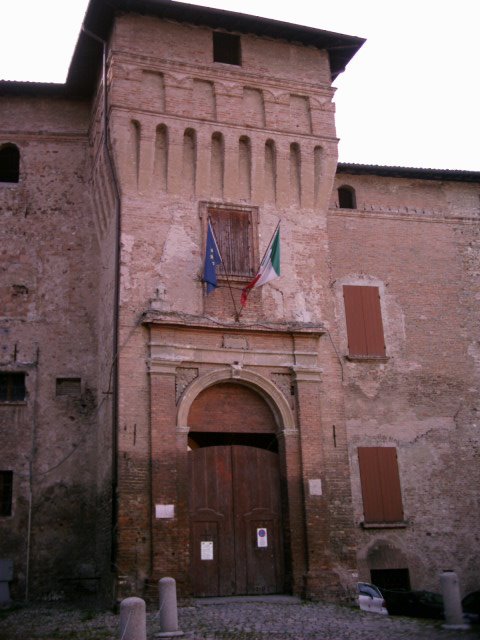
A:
452,603
167,590
133,622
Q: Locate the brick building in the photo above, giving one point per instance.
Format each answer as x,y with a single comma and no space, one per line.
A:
328,430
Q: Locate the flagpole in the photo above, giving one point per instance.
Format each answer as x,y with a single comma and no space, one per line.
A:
263,258
269,244
237,316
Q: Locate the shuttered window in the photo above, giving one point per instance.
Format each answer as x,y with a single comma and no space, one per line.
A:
380,480
364,321
68,387
6,484
233,231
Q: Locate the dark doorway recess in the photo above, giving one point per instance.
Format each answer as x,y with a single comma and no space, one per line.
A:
235,520
197,439
391,578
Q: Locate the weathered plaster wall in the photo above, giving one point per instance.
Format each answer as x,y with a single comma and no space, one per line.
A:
163,182
417,241
48,330
106,215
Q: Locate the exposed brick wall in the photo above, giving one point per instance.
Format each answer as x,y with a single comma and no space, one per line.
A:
224,408
174,154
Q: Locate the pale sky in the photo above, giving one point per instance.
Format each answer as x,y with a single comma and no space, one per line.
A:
410,96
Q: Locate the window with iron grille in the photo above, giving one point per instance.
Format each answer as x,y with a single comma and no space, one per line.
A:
12,386
364,321
234,234
380,481
6,486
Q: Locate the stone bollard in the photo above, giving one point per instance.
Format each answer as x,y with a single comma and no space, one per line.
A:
133,621
452,603
6,576
167,590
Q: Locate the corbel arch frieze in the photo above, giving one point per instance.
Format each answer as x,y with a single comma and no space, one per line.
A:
280,96
266,388
184,80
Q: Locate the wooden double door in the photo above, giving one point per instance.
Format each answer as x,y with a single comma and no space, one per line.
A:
235,520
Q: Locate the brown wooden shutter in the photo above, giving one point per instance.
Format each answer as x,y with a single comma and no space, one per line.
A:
357,344
380,480
364,321
233,233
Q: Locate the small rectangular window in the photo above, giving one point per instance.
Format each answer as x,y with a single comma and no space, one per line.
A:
380,480
364,321
233,232
6,485
12,386
9,163
68,387
226,48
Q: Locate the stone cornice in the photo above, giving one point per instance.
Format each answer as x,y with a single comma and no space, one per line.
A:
307,374
405,216
185,320
15,135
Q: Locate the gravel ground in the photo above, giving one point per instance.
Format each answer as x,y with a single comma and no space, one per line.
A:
227,621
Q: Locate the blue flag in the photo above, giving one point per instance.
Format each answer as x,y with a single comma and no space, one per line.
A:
212,258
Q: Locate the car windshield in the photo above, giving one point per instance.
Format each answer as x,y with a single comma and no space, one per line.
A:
368,590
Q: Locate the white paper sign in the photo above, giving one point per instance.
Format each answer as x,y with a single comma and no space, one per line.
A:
262,537
206,550
315,487
164,511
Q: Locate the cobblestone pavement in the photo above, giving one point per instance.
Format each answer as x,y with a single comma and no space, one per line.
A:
288,621
238,620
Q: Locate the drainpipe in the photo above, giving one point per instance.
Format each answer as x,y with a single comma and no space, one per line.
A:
113,388
33,446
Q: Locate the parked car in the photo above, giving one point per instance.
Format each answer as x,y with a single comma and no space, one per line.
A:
370,598
471,607
416,604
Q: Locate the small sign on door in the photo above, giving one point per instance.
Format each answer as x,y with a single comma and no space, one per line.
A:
206,550
262,537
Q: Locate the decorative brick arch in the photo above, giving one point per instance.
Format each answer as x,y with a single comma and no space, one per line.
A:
264,387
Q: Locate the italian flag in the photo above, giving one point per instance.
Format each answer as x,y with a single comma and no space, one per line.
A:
269,267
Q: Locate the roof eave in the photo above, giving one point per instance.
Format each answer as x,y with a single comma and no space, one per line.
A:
448,175
100,14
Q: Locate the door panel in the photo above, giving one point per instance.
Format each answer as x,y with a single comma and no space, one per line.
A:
257,506
206,557
235,511
211,503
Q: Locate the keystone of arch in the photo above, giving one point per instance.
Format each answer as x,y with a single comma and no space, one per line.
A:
267,389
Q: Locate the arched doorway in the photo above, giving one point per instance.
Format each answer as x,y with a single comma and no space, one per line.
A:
235,500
